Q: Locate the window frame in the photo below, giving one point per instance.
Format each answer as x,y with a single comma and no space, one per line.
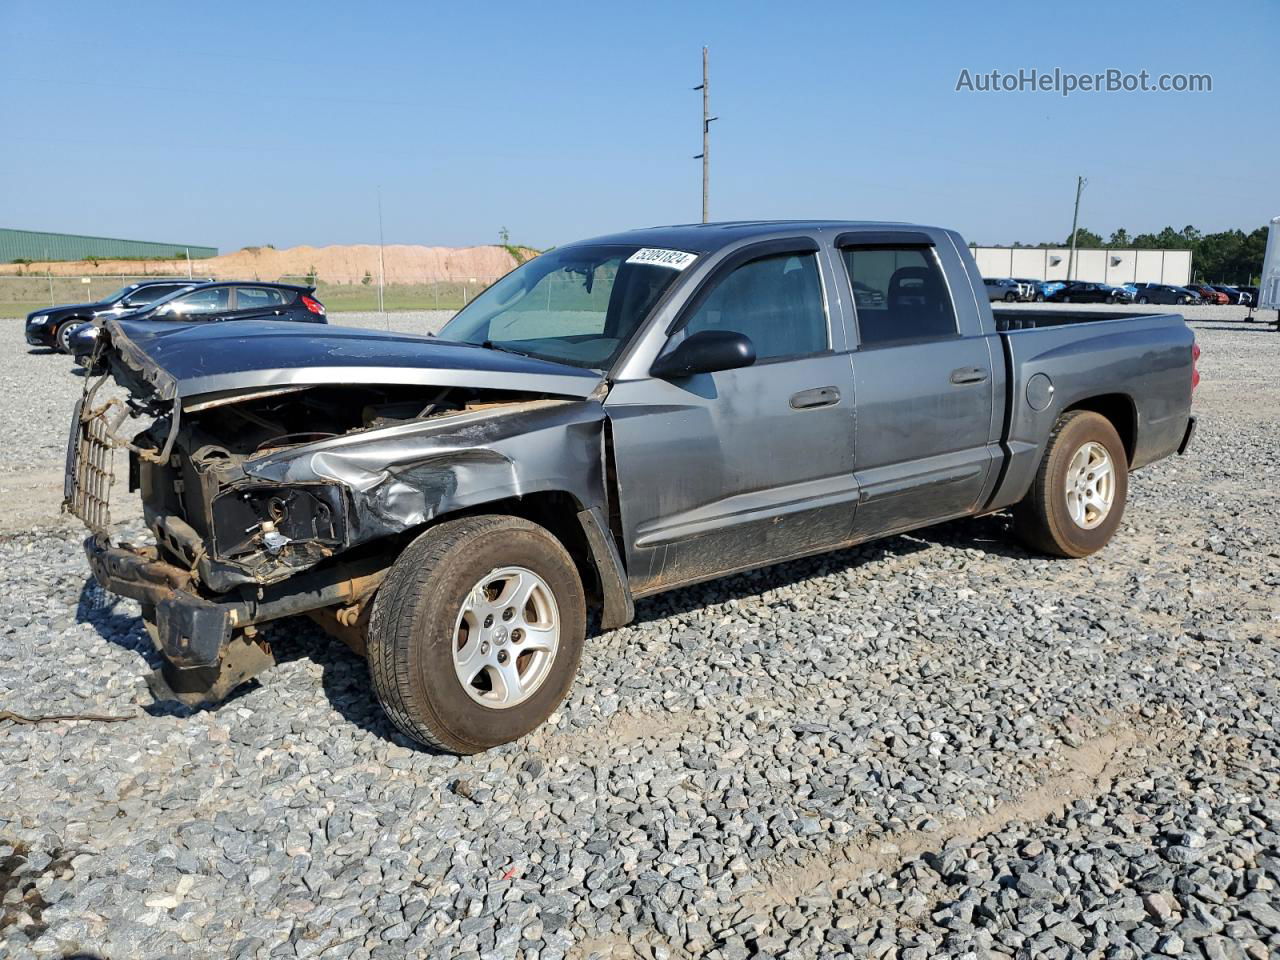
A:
890,241
752,252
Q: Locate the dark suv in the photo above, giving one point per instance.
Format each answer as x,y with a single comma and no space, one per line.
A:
52,326
231,300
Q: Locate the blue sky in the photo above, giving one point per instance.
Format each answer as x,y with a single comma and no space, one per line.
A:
237,124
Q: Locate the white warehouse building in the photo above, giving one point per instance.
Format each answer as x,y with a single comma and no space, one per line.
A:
1093,266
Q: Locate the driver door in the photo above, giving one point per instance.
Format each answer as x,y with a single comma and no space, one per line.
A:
738,468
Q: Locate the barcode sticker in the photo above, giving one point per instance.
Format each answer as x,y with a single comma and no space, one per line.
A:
675,259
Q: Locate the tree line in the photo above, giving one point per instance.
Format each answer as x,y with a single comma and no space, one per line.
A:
1232,256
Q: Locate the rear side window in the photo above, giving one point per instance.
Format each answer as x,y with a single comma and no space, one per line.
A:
776,301
247,298
912,302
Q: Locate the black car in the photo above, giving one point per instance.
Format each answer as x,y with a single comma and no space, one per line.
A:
1166,293
228,300
1251,293
52,326
1079,291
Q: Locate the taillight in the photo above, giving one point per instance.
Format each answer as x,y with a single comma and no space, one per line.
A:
315,306
1195,368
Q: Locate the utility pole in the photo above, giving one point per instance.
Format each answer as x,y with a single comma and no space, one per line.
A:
705,155
1081,182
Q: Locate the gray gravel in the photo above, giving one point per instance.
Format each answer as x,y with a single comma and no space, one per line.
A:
934,745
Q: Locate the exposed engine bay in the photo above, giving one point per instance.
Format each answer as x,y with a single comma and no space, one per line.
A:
211,509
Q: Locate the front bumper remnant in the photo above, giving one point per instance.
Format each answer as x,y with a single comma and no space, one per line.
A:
206,658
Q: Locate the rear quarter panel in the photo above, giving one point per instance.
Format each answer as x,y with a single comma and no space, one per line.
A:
1144,359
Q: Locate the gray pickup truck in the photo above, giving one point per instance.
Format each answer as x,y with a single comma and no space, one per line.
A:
615,418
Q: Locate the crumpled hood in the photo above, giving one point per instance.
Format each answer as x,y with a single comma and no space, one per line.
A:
189,359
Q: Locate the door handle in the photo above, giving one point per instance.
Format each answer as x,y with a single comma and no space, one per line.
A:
969,375
817,397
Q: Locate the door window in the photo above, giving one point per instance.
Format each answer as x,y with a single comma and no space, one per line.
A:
252,298
911,300
776,301
212,300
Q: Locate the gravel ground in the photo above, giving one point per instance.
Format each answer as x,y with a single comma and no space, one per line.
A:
933,745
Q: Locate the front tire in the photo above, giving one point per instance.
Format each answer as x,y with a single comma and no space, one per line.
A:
1143,300
476,633
62,339
1010,297
1076,501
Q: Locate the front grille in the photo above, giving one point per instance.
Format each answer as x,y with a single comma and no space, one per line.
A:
87,487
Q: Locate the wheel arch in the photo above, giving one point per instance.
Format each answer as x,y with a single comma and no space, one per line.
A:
580,529
1120,410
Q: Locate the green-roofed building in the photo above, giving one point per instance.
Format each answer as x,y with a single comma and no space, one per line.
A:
17,245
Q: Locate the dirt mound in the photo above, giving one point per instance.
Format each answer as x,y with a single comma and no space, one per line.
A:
346,263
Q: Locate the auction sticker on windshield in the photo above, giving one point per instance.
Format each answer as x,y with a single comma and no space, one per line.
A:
675,259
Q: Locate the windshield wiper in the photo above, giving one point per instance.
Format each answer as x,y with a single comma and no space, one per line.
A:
490,345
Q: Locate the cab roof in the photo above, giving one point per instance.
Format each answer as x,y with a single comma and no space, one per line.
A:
705,238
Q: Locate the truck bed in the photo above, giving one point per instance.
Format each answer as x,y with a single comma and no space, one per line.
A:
1014,319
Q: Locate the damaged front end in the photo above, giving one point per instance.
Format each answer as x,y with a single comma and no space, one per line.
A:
290,488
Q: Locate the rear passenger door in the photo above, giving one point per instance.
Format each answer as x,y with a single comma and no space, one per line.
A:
924,374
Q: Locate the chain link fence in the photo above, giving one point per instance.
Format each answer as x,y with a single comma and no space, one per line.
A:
21,295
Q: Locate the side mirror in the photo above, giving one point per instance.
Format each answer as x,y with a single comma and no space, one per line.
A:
705,352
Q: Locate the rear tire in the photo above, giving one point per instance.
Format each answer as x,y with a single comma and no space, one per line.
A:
1111,299
419,631
1010,297
1055,517
1143,300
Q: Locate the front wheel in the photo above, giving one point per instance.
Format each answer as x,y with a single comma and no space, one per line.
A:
476,633
1039,298
1010,297
63,337
1111,299
1077,499
1143,300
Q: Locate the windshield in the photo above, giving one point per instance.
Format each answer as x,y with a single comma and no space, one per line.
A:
577,305
119,294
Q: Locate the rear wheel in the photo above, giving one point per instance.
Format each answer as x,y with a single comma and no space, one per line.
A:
1077,499
1111,299
476,634
1010,297
1143,300
1039,298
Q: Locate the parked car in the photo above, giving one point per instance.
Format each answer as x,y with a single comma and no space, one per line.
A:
1079,291
52,326
1003,288
1034,289
613,419
1166,293
1251,293
227,300
1234,295
1208,294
